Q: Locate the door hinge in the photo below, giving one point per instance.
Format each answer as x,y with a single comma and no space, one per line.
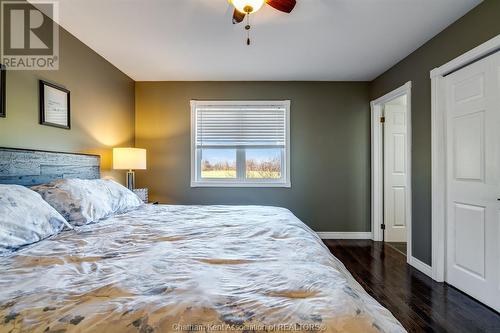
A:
382,120
382,226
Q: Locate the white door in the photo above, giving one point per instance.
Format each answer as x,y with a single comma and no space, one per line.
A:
395,169
473,169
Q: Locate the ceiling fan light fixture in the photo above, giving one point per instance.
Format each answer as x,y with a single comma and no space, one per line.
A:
248,6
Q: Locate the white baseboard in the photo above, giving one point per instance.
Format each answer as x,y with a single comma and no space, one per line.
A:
344,235
421,266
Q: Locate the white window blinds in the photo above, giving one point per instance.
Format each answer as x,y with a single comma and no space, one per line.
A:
240,125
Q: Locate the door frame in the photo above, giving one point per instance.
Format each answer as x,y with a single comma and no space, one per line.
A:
377,159
438,149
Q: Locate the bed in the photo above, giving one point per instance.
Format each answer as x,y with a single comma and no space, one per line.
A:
167,268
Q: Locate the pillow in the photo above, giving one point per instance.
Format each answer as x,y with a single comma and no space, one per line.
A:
25,218
82,201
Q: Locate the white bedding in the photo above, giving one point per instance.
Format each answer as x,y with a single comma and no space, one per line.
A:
186,268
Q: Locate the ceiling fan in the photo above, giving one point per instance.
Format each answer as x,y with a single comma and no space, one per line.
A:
243,8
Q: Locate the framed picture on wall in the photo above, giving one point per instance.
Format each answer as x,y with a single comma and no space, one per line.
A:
3,73
54,105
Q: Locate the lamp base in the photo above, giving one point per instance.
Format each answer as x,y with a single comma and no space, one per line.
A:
130,180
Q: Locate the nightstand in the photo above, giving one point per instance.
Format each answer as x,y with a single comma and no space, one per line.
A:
142,193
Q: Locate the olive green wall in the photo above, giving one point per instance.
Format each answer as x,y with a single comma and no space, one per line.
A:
330,148
102,106
473,29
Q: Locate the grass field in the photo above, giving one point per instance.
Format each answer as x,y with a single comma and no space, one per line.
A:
232,174
218,174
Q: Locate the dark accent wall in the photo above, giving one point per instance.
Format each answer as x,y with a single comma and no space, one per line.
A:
330,148
102,106
473,29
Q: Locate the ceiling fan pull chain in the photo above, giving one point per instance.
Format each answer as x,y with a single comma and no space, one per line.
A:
247,28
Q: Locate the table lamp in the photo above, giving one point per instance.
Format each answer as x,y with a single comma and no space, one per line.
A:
129,159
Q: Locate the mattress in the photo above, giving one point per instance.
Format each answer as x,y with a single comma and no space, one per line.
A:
166,268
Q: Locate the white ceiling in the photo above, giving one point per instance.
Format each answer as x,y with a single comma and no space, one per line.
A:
156,40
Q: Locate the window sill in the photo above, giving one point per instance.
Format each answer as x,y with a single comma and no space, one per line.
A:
240,184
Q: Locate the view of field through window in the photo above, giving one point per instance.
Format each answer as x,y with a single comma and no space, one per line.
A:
263,163
260,163
218,163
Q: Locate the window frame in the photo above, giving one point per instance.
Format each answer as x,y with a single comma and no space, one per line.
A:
242,181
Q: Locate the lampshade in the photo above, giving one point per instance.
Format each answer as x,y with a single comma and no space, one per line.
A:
129,159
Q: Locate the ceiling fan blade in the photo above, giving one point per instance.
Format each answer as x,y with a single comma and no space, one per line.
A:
282,5
238,16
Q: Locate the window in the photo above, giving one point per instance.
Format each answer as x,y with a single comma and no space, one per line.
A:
243,144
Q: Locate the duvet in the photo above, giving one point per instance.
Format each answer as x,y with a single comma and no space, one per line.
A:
186,269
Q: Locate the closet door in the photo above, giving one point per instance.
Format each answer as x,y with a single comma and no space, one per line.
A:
473,171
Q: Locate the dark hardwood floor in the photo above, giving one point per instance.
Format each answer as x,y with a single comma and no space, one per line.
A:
401,247
419,303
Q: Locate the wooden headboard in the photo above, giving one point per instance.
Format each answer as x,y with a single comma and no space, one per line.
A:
34,167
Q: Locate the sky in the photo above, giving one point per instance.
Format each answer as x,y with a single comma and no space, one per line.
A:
260,155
